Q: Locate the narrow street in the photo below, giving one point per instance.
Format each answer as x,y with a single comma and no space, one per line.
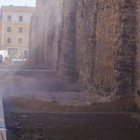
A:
34,125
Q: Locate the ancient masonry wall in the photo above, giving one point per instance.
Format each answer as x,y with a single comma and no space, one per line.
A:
107,25
86,22
115,46
93,42
137,73
67,53
127,46
43,33
0,31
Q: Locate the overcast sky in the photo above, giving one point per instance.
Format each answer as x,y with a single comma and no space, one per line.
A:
17,2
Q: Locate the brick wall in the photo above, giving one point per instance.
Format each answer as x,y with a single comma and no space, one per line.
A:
93,42
67,55
0,31
126,50
44,36
137,74
106,44
86,21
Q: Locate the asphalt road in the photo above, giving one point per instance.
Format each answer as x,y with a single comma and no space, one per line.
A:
29,125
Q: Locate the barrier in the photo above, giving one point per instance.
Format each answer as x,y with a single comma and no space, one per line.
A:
3,130
1,136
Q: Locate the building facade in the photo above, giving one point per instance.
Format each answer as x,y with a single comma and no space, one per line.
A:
15,29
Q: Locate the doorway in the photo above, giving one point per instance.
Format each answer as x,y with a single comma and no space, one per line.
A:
12,52
25,54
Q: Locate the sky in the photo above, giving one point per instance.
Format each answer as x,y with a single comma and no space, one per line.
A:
18,2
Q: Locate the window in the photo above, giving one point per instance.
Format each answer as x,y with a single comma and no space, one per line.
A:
8,29
20,29
9,40
20,18
20,40
8,18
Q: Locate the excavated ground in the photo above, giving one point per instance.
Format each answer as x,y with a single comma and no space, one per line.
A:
53,123
34,125
53,95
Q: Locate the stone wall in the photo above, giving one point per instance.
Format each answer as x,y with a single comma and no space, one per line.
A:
67,53
126,50
137,74
0,31
116,46
93,42
106,44
86,40
43,34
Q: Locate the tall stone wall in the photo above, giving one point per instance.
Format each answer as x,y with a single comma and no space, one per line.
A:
90,41
106,44
0,31
86,40
33,40
67,55
115,46
126,50
44,35
137,74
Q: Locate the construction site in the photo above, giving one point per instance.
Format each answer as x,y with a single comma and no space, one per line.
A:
69,70
59,111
